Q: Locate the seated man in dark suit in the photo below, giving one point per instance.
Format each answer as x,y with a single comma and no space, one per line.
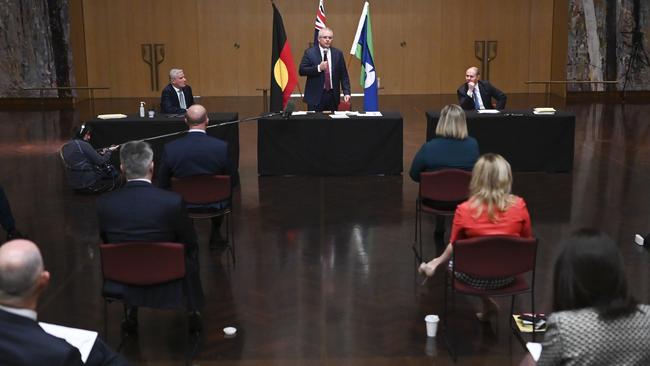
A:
142,212
177,96
326,73
469,98
22,341
196,154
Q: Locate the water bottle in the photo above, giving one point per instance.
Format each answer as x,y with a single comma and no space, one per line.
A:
141,109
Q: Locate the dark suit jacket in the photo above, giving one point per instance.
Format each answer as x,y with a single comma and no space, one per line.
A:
487,90
316,80
24,342
196,153
169,100
141,212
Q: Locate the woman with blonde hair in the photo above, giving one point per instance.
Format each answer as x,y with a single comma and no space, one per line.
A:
452,147
490,210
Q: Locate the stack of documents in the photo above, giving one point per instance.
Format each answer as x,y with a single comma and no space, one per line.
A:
544,110
111,116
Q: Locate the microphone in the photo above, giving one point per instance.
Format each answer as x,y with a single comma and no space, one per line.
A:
288,110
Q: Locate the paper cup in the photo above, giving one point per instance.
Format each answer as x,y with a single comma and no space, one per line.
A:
432,325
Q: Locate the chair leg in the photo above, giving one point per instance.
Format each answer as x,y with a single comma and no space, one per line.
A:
446,333
106,320
231,237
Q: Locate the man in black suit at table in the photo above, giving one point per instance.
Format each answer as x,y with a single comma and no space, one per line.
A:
197,154
22,341
177,96
142,212
477,94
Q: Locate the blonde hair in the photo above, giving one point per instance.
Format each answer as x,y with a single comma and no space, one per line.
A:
452,123
490,186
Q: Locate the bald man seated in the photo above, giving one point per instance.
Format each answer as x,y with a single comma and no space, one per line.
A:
197,153
477,94
22,341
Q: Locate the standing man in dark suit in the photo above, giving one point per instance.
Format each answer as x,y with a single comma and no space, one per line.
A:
177,96
142,212
197,154
477,94
326,74
22,340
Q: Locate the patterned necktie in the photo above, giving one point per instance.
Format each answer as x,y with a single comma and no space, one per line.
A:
477,105
328,80
181,99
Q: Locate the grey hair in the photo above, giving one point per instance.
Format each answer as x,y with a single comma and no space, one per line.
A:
173,73
19,274
136,157
320,31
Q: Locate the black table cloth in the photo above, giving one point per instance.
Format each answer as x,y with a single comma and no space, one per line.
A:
529,142
315,144
117,131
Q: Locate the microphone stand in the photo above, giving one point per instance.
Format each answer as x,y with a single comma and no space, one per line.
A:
266,115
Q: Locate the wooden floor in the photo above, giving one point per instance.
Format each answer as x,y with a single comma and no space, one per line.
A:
325,273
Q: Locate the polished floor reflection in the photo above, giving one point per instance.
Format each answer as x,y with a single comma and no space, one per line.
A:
325,272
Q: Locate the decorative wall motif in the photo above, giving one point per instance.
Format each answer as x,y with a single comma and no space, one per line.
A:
35,47
609,39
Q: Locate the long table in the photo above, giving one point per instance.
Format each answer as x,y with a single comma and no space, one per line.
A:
117,131
316,144
529,142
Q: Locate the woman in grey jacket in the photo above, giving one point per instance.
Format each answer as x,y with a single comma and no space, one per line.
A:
596,320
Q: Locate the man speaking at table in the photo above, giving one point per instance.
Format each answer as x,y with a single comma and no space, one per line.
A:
326,74
477,94
177,95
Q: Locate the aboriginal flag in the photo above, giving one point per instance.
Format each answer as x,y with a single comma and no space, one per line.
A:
283,71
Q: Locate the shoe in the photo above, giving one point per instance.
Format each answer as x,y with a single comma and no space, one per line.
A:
493,310
15,234
194,323
130,322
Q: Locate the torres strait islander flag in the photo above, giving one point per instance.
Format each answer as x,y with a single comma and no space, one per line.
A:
283,71
321,21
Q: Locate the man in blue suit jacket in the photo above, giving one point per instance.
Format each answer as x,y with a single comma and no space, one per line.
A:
175,92
142,212
196,154
22,341
326,74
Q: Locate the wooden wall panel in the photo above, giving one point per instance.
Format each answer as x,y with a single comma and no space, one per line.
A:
422,24
218,63
421,47
541,42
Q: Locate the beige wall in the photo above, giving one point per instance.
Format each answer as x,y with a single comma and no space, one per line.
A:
224,46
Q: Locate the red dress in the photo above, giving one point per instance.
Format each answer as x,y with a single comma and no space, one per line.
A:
515,221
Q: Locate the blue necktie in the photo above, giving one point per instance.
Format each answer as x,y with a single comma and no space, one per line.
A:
477,105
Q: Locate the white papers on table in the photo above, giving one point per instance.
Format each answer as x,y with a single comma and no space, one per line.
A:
535,349
339,116
111,116
358,114
544,110
488,111
82,339
299,113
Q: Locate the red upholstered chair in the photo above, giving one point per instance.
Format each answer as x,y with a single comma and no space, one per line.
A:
201,193
493,257
140,264
445,188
